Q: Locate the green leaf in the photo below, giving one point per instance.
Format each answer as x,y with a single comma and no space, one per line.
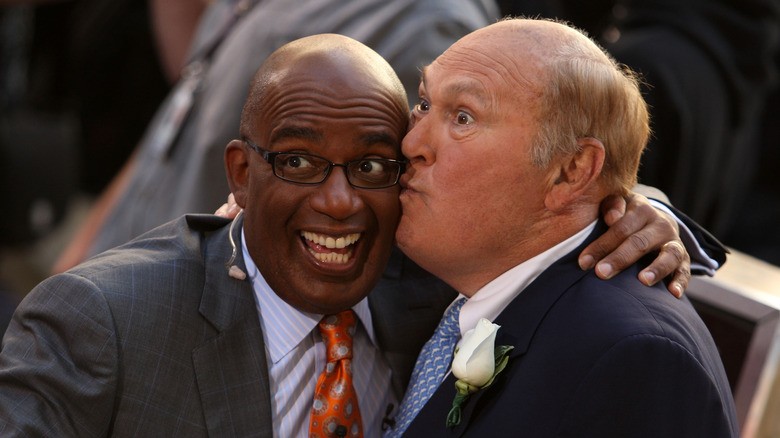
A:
501,358
453,417
465,388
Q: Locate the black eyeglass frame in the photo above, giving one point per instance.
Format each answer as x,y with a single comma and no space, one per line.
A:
270,157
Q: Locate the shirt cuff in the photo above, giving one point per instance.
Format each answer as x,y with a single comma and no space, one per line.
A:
700,261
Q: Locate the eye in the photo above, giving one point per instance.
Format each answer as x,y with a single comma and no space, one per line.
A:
423,106
295,161
300,167
374,172
464,119
370,167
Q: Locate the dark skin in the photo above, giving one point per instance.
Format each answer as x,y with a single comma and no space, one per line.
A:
330,96
319,98
634,230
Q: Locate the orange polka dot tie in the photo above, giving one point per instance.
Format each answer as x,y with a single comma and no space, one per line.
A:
335,412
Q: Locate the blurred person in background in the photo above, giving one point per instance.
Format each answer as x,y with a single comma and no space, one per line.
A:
182,148
708,67
79,81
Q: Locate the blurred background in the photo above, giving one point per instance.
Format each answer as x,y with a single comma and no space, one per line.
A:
79,83
81,79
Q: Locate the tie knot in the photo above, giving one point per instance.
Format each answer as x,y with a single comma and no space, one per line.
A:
337,331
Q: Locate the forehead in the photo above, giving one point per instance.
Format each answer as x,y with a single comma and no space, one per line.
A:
485,72
450,82
320,101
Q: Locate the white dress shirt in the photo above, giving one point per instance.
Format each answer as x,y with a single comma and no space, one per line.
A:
493,298
296,357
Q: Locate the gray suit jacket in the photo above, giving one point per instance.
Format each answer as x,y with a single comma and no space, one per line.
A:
154,338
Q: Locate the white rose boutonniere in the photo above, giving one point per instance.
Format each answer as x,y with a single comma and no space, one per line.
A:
476,364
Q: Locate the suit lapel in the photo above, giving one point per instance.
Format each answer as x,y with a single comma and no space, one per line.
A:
231,368
406,306
518,321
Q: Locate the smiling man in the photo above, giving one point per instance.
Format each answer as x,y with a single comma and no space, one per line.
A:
159,338
335,242
207,327
316,172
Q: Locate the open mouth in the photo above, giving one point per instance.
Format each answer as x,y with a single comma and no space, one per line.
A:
330,249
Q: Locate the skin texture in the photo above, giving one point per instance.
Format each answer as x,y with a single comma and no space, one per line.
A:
477,117
460,129
330,96
635,228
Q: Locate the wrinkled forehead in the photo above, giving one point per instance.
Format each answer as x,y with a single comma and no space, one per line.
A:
324,88
487,71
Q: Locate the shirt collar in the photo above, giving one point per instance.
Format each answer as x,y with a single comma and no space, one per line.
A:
284,326
491,299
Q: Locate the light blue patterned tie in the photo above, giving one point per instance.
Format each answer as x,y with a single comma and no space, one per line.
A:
432,364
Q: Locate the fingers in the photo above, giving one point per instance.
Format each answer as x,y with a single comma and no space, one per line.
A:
641,230
673,261
625,242
222,211
679,282
613,208
230,209
621,251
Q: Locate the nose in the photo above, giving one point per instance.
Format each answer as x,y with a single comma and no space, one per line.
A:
416,145
335,197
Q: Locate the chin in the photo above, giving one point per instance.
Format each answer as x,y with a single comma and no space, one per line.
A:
405,239
332,308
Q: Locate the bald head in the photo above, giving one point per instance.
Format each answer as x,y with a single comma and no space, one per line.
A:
523,127
541,40
578,91
318,64
317,102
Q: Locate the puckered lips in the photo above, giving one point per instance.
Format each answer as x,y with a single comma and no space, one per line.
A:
405,182
331,250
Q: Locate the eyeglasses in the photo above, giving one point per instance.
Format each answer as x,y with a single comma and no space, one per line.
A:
366,173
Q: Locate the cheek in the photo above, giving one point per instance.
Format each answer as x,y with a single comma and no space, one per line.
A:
268,212
461,180
461,201
387,209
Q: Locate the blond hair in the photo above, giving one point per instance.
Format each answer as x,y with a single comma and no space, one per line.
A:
588,94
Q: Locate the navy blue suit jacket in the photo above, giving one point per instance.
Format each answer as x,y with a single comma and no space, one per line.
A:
595,358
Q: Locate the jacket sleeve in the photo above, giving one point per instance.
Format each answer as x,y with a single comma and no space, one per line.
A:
59,362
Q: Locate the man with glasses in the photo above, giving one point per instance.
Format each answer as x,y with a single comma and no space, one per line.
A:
365,173
207,327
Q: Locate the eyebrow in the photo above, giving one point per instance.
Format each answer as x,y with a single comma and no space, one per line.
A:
461,87
465,87
296,132
313,135
378,138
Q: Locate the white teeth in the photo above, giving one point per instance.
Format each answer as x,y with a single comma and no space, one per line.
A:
330,242
331,257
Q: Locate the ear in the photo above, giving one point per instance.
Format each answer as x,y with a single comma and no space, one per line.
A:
237,170
576,174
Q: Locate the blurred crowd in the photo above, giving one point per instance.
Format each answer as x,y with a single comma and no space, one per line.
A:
81,80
